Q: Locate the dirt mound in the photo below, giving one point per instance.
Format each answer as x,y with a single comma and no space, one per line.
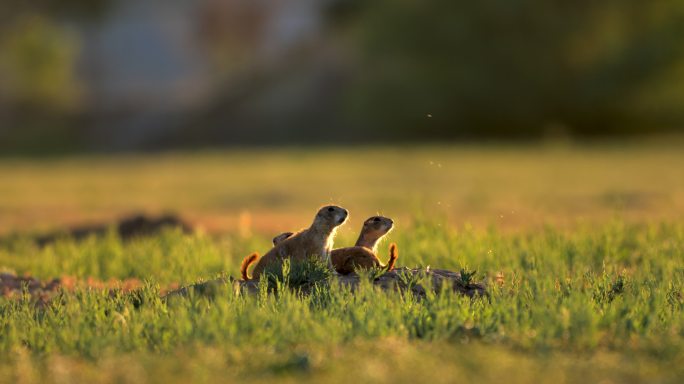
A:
10,284
129,227
420,280
417,280
41,292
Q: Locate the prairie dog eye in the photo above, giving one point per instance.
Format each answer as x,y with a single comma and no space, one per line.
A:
331,209
376,219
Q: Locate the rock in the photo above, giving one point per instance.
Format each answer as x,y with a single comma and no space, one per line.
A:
403,279
206,288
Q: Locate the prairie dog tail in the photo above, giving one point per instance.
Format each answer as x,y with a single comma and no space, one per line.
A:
246,262
393,255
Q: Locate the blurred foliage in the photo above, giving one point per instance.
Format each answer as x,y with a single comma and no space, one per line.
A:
37,62
397,70
83,10
523,67
40,92
38,52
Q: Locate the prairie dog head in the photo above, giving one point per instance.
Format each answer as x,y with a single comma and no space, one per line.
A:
374,228
330,217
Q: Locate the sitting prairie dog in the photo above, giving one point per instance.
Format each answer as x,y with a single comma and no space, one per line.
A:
317,240
362,255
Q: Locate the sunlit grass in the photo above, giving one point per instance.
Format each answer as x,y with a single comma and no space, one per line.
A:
614,293
274,190
582,250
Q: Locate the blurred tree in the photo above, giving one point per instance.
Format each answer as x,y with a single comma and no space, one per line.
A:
517,67
40,91
83,10
429,69
37,61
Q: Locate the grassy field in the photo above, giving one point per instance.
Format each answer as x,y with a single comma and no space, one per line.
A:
589,240
272,190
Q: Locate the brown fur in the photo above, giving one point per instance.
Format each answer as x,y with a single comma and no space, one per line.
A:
347,260
393,256
362,255
246,263
317,240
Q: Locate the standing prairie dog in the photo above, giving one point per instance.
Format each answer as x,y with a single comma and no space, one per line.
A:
317,240
362,255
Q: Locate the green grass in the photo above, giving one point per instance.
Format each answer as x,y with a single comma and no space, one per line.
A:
275,190
589,240
602,303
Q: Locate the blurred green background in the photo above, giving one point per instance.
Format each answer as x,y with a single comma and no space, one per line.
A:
120,75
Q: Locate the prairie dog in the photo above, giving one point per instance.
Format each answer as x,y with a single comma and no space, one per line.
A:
346,260
374,229
362,255
317,240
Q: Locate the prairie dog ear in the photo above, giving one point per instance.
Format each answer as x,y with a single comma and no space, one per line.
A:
373,219
282,237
